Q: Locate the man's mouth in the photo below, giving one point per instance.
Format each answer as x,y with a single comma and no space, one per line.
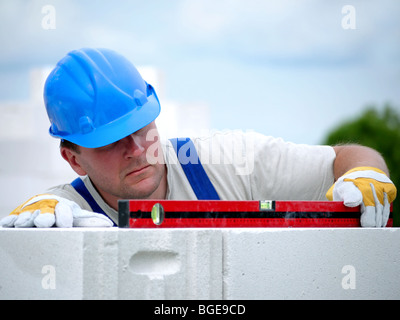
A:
138,171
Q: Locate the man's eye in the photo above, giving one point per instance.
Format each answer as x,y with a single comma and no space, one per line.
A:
141,132
107,147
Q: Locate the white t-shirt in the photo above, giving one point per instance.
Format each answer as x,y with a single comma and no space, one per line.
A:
241,166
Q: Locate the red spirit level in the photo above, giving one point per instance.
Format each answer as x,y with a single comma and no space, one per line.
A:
237,214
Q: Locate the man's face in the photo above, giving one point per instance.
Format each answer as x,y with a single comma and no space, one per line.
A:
123,169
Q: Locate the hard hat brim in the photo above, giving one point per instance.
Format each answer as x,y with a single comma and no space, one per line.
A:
131,122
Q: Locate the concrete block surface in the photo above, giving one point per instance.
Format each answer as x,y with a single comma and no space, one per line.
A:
311,263
258,263
41,264
170,264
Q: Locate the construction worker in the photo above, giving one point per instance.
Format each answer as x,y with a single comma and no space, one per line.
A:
104,113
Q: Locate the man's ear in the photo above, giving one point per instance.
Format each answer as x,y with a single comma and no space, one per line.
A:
71,157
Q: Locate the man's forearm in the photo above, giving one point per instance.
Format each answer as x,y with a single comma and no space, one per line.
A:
352,156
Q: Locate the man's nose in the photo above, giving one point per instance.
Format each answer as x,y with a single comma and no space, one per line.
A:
134,146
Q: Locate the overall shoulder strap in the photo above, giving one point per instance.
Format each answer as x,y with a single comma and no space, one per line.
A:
194,170
80,187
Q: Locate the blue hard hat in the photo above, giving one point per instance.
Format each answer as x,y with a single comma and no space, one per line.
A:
95,97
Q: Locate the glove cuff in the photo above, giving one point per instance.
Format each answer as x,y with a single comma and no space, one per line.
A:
365,169
351,175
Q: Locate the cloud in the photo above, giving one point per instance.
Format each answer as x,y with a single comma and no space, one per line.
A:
302,32
118,25
253,31
25,40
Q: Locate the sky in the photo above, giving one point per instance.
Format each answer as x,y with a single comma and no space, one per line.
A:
290,68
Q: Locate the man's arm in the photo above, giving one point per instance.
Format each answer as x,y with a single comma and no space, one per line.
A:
362,178
352,156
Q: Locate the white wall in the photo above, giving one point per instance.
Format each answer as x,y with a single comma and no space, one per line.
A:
275,263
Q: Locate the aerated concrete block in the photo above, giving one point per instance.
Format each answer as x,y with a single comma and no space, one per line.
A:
41,264
170,264
311,263
110,263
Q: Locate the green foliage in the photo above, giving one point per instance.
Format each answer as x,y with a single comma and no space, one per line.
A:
379,130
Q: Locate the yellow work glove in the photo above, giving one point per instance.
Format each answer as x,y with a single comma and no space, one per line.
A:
47,210
368,187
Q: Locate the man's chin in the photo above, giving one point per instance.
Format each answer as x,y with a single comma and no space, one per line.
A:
143,186
143,189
